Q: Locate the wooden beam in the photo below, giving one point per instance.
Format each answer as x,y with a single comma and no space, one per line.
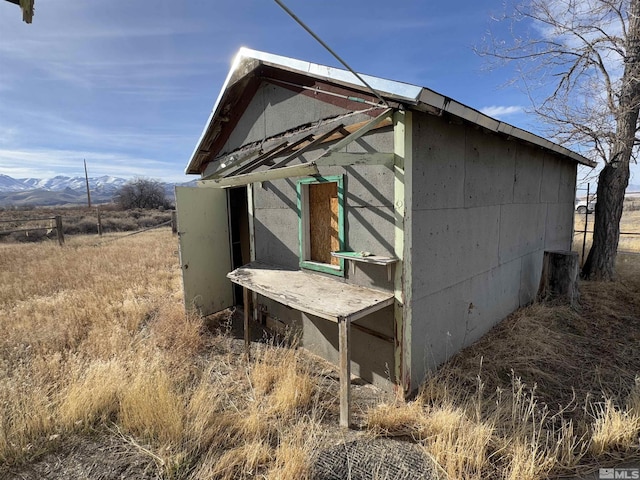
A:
303,170
344,343
247,333
253,164
310,145
233,164
343,159
387,122
370,125
402,201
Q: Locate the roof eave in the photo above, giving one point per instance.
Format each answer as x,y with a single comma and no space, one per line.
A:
433,101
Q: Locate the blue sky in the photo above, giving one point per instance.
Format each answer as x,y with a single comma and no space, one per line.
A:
128,86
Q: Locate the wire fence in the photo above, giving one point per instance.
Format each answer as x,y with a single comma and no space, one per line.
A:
27,225
585,208
42,228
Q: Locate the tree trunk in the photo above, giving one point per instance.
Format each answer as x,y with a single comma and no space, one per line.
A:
614,177
612,183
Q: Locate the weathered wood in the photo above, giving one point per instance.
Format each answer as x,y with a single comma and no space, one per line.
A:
59,230
323,222
324,297
303,170
344,333
99,222
312,144
559,279
247,333
174,222
22,220
353,257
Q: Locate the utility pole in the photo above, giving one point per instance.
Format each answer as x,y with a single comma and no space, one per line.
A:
86,177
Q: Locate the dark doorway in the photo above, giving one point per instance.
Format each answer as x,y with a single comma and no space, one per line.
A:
239,228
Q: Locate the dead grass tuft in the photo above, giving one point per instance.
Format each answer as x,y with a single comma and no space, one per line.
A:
396,419
614,429
95,397
151,408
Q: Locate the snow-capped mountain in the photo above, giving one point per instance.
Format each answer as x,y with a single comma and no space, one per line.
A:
103,184
61,190
8,184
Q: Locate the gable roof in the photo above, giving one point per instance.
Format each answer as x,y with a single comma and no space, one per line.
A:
244,77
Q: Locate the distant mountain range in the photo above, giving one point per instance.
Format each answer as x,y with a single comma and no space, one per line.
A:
61,190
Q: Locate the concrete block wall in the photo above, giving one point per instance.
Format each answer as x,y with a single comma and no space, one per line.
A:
484,209
369,226
275,109
369,213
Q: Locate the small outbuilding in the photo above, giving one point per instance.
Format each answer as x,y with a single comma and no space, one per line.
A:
391,227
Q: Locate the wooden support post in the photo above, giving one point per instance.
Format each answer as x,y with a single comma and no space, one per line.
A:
344,332
174,222
559,279
99,222
247,333
59,230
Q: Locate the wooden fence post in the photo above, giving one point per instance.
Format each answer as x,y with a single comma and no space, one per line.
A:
59,230
99,222
174,222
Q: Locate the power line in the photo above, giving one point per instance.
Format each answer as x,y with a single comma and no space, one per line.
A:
328,48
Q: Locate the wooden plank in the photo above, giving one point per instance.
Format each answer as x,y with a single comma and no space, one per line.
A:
358,257
316,141
352,137
387,122
238,163
323,222
303,170
345,159
20,220
402,200
344,344
258,162
325,297
372,332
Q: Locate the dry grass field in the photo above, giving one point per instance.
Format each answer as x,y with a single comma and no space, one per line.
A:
103,375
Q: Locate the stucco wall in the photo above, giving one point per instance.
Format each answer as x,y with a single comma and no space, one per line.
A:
484,210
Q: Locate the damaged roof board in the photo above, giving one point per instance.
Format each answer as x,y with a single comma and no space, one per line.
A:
403,95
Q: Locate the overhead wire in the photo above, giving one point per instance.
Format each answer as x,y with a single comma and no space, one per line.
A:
330,50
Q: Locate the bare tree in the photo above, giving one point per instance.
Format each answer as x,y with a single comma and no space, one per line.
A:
579,60
141,193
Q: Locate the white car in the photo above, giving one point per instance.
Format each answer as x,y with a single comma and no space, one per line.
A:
582,206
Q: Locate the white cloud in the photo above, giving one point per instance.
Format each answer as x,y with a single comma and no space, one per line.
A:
501,110
41,163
